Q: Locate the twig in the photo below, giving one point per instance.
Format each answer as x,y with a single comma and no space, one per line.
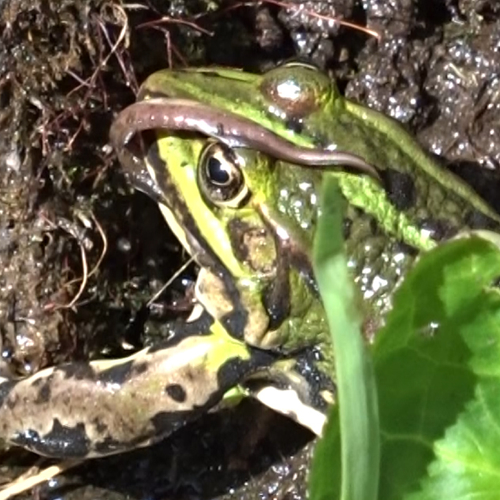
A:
169,282
24,483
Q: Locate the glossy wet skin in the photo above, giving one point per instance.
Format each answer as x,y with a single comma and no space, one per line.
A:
416,204
233,163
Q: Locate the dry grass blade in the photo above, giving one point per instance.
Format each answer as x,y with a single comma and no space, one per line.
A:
25,482
170,281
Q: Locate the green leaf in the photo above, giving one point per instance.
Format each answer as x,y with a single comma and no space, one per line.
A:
354,373
437,367
437,364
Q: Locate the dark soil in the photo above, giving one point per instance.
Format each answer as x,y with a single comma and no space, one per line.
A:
67,67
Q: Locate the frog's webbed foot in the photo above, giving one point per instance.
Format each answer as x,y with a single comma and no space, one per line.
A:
82,410
296,388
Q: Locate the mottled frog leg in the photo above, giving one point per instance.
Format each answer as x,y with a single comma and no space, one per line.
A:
83,410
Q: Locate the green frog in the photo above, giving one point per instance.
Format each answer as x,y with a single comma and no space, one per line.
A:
235,162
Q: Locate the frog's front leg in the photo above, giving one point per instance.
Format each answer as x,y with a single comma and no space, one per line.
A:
82,410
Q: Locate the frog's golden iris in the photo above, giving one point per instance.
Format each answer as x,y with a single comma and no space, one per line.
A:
236,166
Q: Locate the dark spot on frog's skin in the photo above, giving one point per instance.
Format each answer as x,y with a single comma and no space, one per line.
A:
123,372
400,188
117,374
77,371
317,380
235,370
176,392
99,426
61,441
5,388
295,124
236,321
44,392
235,324
194,376
66,400
36,384
276,298
373,224
139,368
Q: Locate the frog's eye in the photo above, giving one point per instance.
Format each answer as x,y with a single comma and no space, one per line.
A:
220,177
296,90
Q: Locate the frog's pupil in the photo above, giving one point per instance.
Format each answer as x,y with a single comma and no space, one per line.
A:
218,172
219,177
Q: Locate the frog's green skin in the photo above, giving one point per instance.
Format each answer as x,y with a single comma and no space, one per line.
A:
262,328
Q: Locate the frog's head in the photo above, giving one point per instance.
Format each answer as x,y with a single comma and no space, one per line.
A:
247,220
246,216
